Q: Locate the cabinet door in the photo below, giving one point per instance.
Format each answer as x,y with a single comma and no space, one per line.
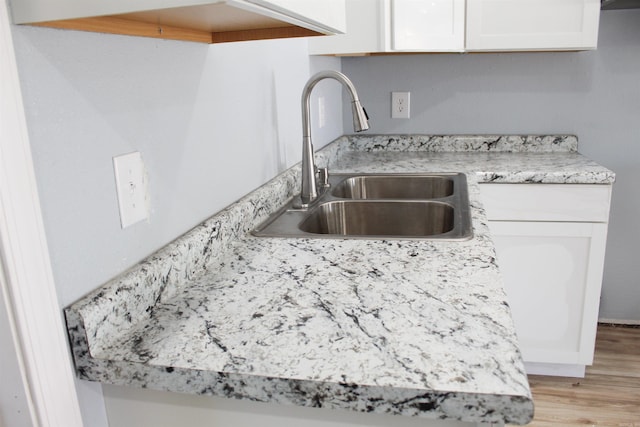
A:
427,25
532,24
364,31
553,275
378,26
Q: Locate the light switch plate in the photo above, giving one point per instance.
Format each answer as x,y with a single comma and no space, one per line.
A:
132,188
322,116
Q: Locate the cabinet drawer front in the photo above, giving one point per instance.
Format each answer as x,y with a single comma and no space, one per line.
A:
546,202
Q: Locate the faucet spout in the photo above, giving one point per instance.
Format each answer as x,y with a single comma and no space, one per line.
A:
309,191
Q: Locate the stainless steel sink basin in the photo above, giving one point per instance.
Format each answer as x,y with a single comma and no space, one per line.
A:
380,218
395,187
380,206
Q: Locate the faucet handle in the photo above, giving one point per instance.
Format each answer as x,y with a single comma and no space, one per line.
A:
323,177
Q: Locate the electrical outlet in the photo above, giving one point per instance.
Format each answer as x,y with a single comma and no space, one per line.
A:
400,105
322,117
131,185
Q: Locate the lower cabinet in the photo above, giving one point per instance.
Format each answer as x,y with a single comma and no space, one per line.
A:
550,241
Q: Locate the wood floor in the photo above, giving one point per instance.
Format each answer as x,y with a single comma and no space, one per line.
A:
609,395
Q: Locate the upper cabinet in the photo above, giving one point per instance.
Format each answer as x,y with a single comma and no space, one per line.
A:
434,25
208,21
366,25
394,26
494,25
386,26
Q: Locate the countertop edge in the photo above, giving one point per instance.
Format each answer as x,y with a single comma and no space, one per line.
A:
489,408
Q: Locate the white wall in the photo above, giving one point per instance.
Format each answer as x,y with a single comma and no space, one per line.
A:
129,407
14,407
595,95
212,123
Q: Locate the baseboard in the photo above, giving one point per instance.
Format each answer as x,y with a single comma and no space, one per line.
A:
555,369
619,322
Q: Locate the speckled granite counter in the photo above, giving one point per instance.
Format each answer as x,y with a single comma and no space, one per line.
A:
406,327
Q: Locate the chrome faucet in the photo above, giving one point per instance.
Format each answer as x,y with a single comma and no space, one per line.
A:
310,185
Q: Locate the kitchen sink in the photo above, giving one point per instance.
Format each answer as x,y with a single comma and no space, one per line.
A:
395,187
380,206
380,218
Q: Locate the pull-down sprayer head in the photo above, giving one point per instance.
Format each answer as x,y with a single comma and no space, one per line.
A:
360,117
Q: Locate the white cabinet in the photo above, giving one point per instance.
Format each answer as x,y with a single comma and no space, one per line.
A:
208,21
435,25
494,25
388,26
366,21
550,242
391,26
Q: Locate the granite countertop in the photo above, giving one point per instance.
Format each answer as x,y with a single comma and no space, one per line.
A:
408,327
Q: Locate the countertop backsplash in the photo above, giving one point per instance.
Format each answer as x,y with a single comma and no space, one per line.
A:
483,143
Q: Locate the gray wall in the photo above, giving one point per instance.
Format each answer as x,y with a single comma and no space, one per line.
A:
595,95
212,123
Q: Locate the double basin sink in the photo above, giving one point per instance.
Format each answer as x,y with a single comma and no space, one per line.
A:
380,206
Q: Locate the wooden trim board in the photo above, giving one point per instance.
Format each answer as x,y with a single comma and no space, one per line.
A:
115,25
128,27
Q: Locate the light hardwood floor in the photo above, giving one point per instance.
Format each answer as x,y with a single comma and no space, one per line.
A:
609,395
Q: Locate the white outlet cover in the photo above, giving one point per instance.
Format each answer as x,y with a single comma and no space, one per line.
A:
400,105
131,186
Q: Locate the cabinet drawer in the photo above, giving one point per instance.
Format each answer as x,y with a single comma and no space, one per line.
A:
546,202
